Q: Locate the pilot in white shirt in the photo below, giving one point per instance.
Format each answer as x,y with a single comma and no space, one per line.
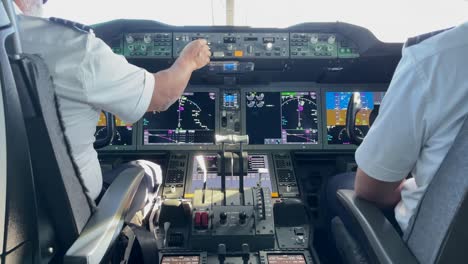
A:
88,78
420,116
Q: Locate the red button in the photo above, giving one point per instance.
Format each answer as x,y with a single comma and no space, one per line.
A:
197,219
204,220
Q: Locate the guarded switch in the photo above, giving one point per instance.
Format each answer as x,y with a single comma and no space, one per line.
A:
197,220
204,220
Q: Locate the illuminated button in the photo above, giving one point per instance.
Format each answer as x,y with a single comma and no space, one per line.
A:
218,54
238,53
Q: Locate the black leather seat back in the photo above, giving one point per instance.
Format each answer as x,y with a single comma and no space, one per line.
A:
18,237
55,173
438,233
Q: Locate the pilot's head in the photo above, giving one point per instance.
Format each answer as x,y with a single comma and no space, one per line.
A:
31,7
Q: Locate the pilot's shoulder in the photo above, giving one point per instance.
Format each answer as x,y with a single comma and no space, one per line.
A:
71,24
431,44
38,25
419,39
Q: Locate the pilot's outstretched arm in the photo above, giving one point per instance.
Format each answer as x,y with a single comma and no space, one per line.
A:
170,83
114,85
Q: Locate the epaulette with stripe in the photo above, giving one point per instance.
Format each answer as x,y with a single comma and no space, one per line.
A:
418,39
71,24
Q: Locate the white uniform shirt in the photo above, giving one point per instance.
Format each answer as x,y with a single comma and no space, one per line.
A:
419,118
88,78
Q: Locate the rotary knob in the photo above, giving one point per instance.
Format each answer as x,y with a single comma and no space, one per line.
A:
147,39
314,39
269,46
242,217
331,39
129,39
223,217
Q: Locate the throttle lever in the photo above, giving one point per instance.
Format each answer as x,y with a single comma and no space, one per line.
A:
221,253
245,253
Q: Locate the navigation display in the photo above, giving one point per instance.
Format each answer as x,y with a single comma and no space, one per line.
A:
123,132
190,120
282,117
337,103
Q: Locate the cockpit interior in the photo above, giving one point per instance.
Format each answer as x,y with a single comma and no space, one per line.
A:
245,153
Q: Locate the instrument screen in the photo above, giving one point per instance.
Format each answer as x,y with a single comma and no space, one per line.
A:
282,117
258,173
286,259
337,104
123,132
180,260
190,120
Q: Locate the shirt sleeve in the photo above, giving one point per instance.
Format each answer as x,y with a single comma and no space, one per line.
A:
393,144
114,85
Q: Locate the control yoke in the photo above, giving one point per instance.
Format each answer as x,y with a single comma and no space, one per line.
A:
238,164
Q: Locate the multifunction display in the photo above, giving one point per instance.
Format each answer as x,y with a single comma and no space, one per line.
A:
282,117
190,120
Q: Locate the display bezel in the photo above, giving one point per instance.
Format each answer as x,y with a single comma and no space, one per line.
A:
189,89
202,256
307,256
283,87
343,88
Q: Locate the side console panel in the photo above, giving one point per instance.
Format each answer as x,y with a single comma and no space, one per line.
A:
175,176
285,176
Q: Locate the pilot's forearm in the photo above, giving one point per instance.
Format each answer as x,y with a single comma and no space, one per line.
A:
169,85
383,194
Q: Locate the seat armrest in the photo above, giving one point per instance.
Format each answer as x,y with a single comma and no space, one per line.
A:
107,222
382,240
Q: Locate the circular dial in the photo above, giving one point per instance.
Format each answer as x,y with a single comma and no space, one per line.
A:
343,137
314,39
102,132
129,39
147,39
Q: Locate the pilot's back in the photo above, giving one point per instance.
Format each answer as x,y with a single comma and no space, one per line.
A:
61,48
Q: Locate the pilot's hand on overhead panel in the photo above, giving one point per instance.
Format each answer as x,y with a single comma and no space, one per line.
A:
195,55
